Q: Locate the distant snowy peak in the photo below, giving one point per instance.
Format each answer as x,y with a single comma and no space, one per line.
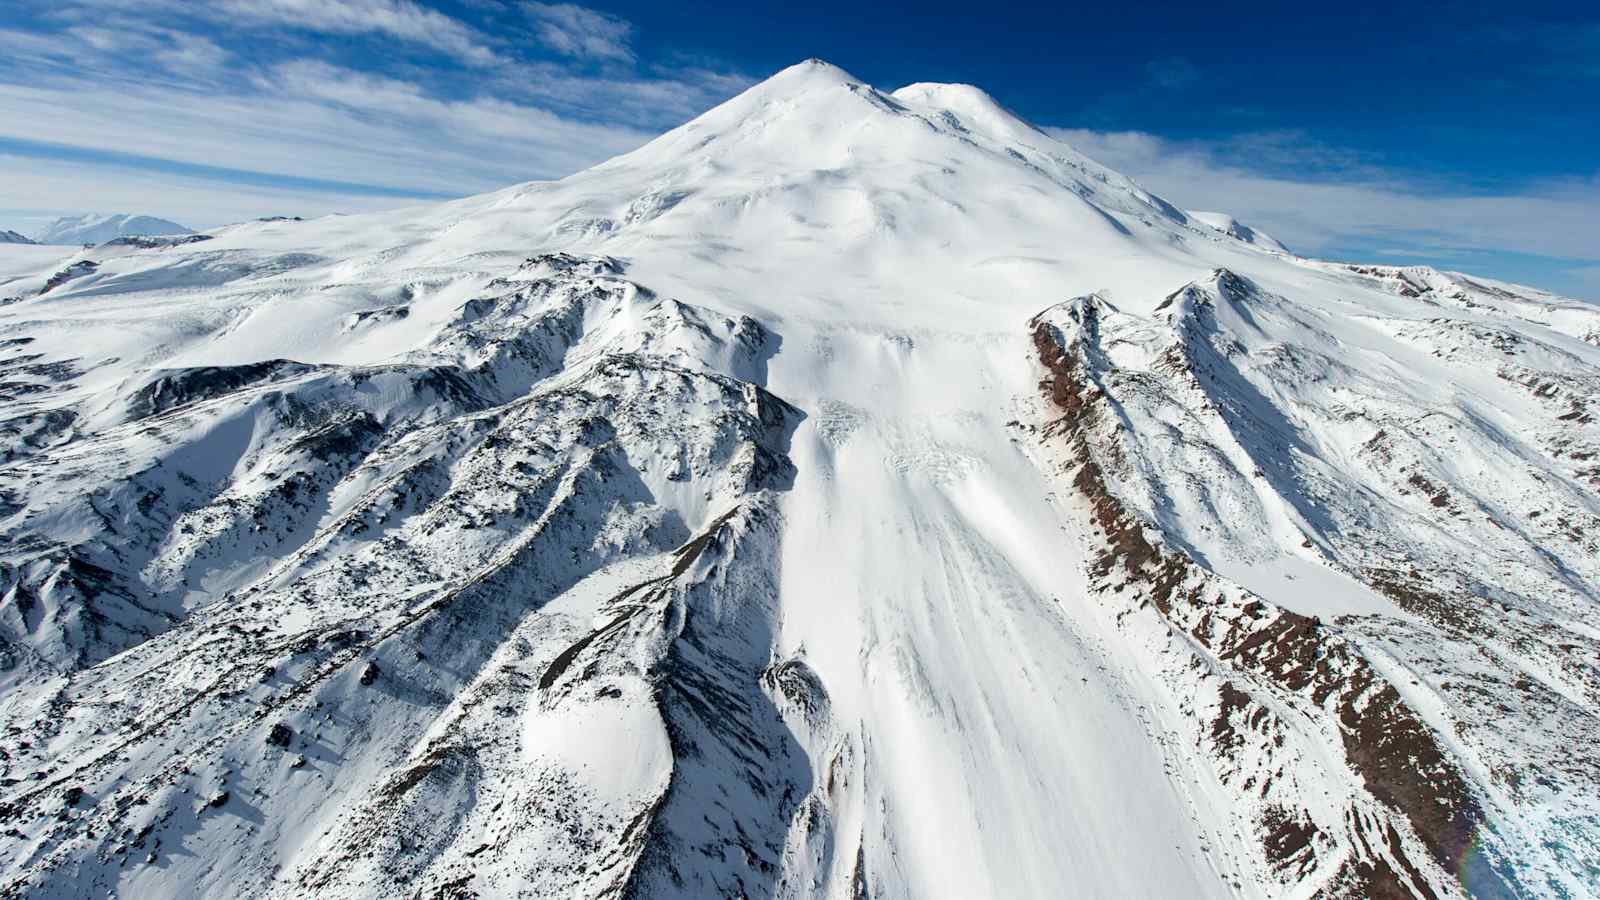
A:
97,229
1234,228
11,237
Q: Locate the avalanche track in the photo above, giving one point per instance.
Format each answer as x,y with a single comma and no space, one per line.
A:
847,494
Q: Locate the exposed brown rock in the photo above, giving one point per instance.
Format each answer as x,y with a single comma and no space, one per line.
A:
1398,757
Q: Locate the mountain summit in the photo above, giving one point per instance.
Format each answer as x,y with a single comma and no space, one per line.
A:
847,494
94,228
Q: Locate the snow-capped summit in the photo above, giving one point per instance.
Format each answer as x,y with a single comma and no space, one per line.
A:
94,228
1234,228
847,494
12,237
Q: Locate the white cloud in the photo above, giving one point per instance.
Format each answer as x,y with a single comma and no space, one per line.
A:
114,48
673,96
577,31
310,119
189,53
60,188
188,110
401,20
178,52
203,136
1315,198
112,82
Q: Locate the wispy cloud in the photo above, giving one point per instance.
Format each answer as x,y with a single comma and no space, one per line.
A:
400,20
309,117
663,97
1327,201
577,31
58,187
176,51
100,88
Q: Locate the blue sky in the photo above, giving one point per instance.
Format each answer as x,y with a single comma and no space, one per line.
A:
1462,135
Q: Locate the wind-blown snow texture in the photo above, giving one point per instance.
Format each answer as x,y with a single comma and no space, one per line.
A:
847,494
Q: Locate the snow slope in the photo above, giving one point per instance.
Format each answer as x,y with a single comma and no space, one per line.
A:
94,228
846,494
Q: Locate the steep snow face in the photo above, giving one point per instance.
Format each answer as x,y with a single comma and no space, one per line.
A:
93,228
847,494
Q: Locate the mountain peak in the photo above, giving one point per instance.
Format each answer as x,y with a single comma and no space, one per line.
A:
957,93
1236,229
818,63
807,74
95,228
886,172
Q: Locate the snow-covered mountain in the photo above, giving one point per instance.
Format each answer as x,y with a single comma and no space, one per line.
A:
847,494
11,237
94,228
1236,229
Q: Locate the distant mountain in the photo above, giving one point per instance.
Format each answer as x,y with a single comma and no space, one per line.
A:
97,229
11,237
1234,228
